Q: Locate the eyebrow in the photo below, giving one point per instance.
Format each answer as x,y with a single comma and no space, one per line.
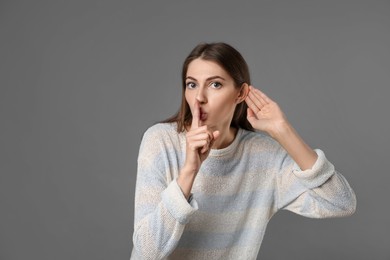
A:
208,79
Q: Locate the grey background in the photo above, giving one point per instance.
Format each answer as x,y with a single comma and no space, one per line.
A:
82,80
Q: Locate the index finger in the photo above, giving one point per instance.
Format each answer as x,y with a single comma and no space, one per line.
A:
263,95
196,116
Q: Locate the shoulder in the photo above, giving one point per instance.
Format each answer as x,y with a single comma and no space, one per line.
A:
162,134
161,129
261,146
258,139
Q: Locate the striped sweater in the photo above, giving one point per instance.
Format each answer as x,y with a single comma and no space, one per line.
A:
236,192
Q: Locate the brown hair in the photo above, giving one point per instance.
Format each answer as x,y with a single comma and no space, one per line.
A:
235,65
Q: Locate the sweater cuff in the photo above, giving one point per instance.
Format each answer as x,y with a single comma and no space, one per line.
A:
321,171
176,203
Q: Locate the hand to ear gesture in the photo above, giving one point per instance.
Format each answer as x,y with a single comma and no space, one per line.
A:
263,113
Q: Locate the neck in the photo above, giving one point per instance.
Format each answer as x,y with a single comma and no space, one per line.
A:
225,138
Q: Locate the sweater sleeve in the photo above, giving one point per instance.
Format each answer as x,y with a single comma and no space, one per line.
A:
319,192
161,210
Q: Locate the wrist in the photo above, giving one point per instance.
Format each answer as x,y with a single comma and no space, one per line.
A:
189,169
185,180
281,130
299,151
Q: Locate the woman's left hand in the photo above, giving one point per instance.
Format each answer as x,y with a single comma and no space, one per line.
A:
263,113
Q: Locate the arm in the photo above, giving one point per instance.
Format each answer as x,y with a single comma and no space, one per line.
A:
161,210
318,192
265,115
309,184
160,220
199,141
300,152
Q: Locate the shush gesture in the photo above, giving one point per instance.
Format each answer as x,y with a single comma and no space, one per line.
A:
199,140
263,113
203,170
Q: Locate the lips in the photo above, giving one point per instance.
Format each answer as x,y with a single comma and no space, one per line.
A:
203,115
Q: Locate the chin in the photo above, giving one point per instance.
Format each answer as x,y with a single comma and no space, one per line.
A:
213,125
209,124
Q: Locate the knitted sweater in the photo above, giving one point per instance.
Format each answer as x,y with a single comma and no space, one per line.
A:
235,193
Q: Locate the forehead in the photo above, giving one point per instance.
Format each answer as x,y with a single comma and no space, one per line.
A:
200,69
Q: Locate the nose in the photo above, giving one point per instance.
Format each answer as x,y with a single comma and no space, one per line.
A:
201,95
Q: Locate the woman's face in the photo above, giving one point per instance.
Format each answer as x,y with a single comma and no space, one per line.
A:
210,85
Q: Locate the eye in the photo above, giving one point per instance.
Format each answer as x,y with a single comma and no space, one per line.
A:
216,84
190,85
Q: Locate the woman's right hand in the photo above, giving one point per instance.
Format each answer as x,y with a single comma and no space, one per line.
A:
199,141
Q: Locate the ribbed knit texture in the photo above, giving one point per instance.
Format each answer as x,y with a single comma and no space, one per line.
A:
236,192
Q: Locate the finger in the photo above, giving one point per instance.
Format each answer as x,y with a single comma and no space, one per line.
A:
215,136
196,116
251,104
264,96
210,141
197,130
202,136
257,99
205,148
250,115
257,95
194,146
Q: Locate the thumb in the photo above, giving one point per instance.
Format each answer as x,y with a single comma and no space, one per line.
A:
215,135
250,115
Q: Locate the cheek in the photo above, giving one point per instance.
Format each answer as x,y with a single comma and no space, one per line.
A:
226,104
188,98
227,100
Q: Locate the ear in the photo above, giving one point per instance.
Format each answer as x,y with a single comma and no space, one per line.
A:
244,90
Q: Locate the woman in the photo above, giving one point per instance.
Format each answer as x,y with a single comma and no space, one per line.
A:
211,177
